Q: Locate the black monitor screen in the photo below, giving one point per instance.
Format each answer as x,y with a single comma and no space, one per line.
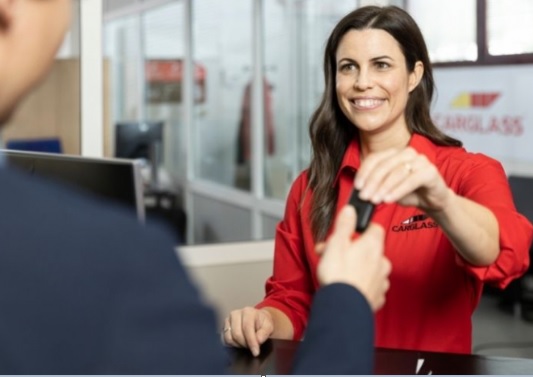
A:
114,179
522,188
135,139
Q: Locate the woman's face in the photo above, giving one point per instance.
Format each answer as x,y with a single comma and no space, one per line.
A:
372,80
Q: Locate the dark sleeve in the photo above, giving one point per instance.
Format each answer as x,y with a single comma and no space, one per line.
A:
340,335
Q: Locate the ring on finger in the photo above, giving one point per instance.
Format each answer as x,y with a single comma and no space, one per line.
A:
226,329
408,167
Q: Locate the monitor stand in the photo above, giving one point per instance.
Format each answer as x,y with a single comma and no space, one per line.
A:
163,203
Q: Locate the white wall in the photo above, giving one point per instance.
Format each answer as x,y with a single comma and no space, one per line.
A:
489,110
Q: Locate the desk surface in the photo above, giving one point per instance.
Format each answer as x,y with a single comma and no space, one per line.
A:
277,355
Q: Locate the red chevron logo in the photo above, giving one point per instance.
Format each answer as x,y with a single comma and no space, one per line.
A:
474,100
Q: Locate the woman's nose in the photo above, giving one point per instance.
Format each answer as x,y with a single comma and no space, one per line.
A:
363,80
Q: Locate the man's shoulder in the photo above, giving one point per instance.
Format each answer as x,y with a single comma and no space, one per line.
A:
59,214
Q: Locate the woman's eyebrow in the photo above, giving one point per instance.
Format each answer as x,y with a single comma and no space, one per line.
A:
382,57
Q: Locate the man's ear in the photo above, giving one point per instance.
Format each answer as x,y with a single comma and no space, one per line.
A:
6,13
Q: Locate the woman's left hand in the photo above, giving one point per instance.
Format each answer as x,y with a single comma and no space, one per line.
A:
403,176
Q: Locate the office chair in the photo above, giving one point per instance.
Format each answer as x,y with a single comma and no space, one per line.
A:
47,145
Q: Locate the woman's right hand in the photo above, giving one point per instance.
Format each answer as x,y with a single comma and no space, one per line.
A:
248,328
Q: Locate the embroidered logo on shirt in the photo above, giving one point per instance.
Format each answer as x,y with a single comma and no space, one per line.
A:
415,223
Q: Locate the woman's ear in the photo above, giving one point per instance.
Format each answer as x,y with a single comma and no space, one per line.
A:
416,75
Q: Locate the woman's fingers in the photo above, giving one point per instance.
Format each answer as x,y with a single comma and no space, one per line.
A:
402,176
247,328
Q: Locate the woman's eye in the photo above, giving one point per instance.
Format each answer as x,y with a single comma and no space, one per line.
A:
382,65
347,67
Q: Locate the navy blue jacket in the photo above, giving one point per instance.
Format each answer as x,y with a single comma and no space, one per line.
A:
86,289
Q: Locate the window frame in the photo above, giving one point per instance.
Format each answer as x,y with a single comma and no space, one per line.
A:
484,58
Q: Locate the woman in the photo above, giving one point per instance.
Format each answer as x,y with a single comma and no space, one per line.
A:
450,220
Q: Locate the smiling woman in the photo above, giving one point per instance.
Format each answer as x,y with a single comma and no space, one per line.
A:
446,236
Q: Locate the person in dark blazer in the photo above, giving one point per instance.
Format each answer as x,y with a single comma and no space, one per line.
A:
86,289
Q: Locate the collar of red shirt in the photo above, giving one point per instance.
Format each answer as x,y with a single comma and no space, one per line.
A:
352,160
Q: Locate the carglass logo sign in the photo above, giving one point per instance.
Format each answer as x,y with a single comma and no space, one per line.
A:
477,113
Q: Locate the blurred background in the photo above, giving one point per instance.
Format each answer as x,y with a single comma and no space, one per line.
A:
216,95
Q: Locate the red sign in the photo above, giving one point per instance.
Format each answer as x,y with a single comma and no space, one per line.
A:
164,79
471,100
170,71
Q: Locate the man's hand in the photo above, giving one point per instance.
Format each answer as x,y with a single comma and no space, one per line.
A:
360,263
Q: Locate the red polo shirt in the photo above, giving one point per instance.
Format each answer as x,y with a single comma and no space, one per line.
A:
433,290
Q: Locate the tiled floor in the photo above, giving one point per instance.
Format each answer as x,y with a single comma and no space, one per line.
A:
500,334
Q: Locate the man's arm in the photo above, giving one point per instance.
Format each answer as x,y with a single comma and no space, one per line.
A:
354,279
340,334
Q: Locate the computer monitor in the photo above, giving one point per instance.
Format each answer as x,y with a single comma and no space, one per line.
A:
111,178
139,140
522,188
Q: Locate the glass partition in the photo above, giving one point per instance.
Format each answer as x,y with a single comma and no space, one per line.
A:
123,50
222,53
164,51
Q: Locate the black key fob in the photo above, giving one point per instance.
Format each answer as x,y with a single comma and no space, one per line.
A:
364,210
